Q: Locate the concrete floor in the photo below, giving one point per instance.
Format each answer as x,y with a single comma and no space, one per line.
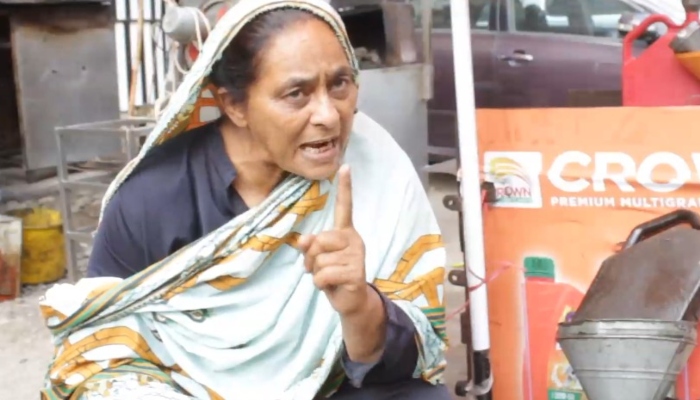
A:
25,349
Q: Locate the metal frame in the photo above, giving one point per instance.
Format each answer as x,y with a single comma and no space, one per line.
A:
129,131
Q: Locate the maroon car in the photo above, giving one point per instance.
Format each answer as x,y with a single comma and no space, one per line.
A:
528,53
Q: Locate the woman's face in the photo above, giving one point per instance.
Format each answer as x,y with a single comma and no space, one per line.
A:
301,106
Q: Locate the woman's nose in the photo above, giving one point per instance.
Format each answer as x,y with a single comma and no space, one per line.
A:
324,112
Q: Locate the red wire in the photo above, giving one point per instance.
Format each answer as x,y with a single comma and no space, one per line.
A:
482,281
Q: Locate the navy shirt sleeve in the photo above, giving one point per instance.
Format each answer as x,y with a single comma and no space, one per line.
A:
118,249
398,361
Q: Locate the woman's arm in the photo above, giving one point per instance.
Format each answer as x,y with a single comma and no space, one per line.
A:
410,289
412,276
407,266
399,355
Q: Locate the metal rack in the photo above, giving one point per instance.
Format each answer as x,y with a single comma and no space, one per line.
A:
96,173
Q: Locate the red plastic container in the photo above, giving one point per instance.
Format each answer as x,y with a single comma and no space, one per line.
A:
655,78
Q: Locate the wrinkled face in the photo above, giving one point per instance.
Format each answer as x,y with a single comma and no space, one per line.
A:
301,106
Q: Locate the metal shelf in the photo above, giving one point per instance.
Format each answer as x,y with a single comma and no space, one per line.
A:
84,235
129,131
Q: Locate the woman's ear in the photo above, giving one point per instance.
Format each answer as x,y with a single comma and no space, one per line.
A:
234,110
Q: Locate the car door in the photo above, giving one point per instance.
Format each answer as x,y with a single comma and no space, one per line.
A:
442,122
552,48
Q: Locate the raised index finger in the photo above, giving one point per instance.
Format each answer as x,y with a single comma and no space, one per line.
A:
343,199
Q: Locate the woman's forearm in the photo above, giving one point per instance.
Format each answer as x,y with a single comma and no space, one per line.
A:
364,331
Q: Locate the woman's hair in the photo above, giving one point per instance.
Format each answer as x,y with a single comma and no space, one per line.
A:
237,68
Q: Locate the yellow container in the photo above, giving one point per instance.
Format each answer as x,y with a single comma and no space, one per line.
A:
691,61
43,249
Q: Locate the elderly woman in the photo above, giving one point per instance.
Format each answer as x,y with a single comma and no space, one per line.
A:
239,259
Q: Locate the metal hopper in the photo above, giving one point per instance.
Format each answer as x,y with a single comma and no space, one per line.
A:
637,324
627,359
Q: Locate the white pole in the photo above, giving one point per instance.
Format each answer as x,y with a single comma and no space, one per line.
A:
470,186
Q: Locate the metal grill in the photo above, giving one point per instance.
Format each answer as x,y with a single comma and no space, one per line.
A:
150,79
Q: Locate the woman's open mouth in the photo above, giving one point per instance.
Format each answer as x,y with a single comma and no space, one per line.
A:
321,150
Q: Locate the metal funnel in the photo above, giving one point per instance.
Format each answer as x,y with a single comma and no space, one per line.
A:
627,359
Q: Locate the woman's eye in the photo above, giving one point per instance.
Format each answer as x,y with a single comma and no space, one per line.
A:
340,83
294,94
297,97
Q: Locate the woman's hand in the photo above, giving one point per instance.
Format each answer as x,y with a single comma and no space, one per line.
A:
336,258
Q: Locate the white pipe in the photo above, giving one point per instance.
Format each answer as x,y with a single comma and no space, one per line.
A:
470,185
427,30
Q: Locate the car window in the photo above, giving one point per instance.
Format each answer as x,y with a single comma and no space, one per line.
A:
574,17
479,13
